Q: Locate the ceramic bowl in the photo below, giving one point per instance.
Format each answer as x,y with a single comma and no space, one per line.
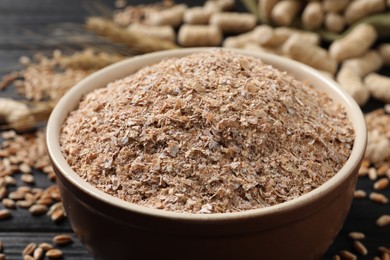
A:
110,228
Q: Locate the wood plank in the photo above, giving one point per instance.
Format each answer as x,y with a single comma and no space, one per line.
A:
14,243
23,221
40,12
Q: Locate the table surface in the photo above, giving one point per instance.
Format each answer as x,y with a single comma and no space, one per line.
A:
27,27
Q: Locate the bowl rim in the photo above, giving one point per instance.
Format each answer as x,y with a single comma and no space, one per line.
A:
58,160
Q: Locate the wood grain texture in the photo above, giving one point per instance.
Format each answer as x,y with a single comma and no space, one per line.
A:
27,27
15,242
23,221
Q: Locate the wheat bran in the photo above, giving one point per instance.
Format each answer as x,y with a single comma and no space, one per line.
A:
207,133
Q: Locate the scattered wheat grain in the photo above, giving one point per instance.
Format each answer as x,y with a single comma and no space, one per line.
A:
359,194
45,246
378,198
381,184
62,239
57,215
8,203
384,249
345,254
28,257
363,171
54,253
25,168
356,235
24,204
29,249
5,214
360,247
27,178
383,220
372,173
16,195
336,257
38,209
38,253
382,169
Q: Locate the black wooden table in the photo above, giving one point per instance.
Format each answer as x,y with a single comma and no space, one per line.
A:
27,27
